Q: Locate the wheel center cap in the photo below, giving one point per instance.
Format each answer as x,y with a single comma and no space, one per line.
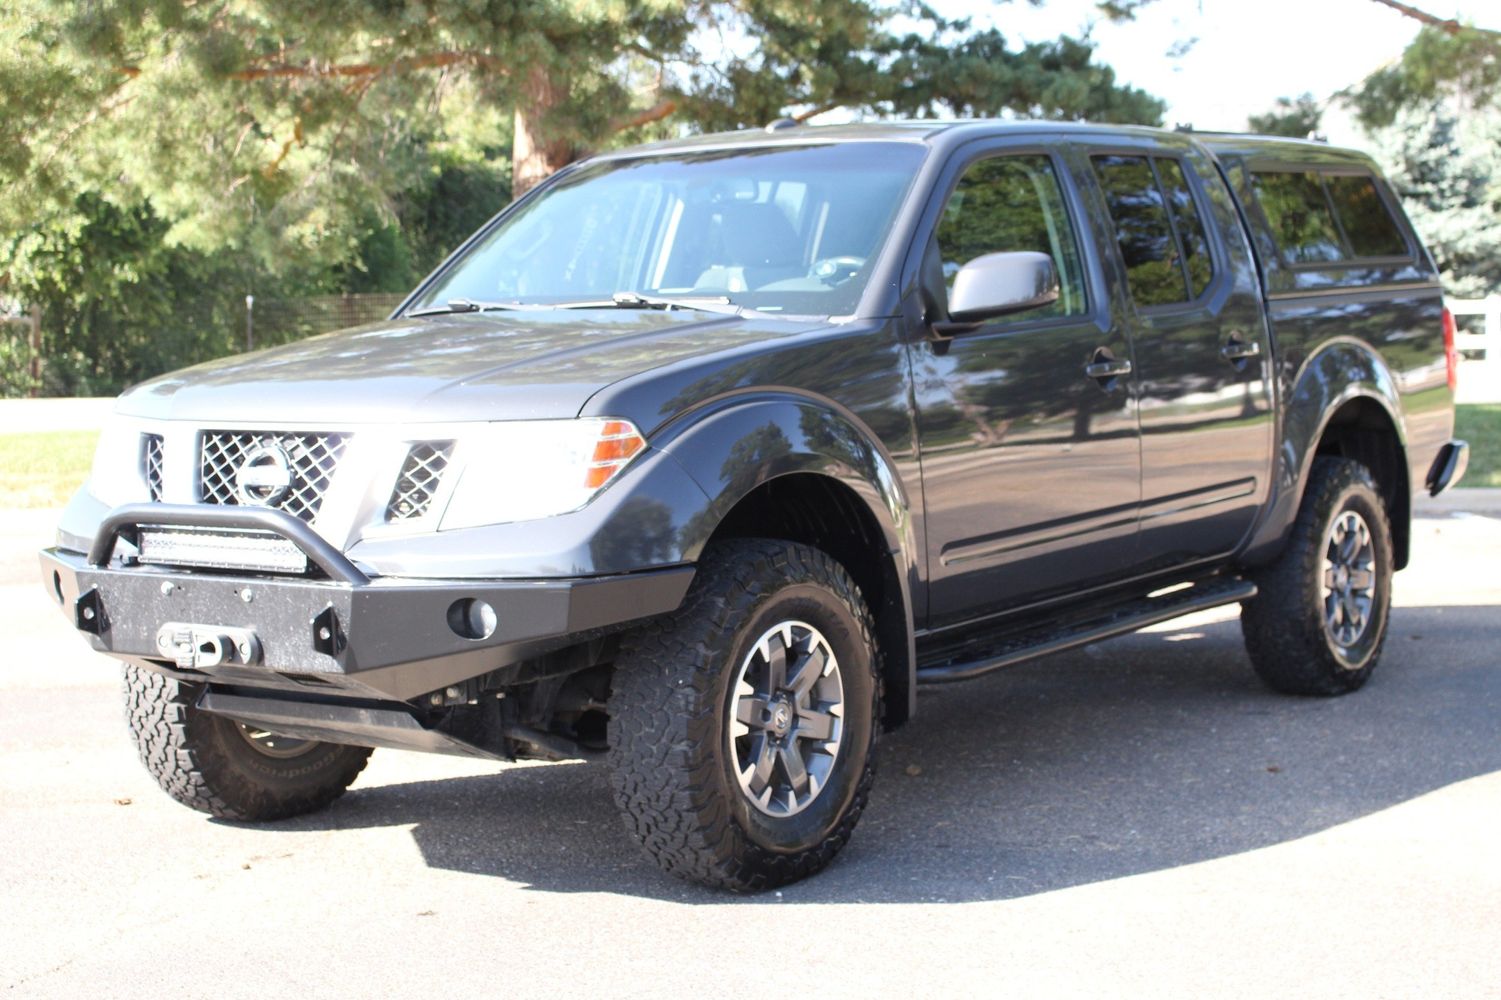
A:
1341,578
781,718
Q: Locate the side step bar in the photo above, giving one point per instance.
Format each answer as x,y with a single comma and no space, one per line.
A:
1031,643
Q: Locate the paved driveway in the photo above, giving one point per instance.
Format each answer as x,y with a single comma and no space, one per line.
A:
1137,818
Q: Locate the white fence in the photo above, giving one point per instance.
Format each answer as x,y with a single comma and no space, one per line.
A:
1480,373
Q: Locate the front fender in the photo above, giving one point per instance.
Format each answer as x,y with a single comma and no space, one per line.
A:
1342,370
747,441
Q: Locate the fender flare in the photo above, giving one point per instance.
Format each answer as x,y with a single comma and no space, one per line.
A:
738,443
1342,371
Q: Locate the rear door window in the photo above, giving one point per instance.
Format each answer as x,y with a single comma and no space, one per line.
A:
1159,227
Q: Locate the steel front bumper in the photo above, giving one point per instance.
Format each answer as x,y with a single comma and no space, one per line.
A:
384,638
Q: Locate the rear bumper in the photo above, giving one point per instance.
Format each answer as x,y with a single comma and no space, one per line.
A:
1448,467
348,636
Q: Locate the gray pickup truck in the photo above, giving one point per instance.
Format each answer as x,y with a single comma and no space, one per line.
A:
706,456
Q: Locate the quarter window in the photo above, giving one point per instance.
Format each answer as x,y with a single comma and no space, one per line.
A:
1365,218
1011,203
1302,223
1159,227
1322,218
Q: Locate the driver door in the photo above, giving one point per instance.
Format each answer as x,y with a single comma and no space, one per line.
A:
1030,465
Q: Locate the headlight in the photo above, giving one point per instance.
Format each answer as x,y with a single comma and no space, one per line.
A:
116,476
526,469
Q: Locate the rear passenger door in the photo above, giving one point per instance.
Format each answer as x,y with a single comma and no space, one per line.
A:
1201,349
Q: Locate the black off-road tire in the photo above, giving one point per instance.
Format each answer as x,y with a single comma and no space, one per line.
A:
206,763
1288,634
671,736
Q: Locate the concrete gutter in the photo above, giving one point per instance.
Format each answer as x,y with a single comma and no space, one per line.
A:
1481,500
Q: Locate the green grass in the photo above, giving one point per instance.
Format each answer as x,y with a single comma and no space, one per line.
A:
1480,424
43,470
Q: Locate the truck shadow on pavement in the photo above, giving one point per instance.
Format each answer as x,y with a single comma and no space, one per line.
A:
1142,754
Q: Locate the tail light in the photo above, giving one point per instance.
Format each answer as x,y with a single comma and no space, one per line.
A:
1451,353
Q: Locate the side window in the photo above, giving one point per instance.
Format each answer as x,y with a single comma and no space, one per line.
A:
1366,220
1159,228
1190,227
1302,224
1012,203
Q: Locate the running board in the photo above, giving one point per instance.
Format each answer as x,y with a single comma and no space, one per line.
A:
1029,644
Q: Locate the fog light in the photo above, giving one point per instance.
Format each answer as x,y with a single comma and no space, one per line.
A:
471,618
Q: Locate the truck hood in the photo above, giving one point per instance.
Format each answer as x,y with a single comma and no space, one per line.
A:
493,366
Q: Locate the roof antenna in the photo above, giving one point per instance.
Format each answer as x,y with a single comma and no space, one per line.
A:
778,124
1183,127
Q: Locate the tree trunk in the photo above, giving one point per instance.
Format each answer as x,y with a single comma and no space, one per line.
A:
534,156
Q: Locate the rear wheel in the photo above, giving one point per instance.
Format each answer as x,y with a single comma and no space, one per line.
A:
1319,621
226,768
743,726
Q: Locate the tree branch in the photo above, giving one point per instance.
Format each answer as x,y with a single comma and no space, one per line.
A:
655,113
1447,25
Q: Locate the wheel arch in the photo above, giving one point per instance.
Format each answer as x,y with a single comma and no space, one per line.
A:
1345,402
798,468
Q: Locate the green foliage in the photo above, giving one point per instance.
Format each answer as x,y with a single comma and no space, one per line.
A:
1464,65
159,160
1295,117
1480,425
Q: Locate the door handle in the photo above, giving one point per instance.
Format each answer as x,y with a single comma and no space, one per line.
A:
1104,365
1238,348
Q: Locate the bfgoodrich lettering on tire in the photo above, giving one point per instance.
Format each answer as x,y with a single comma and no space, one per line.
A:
743,726
1319,621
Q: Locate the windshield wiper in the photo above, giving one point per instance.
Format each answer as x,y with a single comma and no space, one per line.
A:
636,300
469,306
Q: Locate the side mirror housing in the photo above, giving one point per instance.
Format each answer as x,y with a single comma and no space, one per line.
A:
999,284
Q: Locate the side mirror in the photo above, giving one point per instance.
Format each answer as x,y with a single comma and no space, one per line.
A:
998,284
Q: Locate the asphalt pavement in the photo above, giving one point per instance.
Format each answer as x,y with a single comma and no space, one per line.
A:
1137,818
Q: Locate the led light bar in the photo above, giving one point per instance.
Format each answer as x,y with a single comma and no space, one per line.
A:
220,549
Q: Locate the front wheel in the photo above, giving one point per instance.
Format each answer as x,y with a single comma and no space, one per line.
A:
1318,623
226,768
743,726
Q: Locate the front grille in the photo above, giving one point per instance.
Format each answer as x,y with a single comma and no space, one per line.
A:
310,460
151,464
418,482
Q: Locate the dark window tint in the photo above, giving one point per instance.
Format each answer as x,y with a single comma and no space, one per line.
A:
1196,259
1142,227
1299,215
1367,223
1012,203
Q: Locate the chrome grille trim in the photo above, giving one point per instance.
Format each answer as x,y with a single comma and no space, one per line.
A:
312,457
151,465
418,483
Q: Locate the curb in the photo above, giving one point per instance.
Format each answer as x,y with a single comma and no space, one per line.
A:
1479,500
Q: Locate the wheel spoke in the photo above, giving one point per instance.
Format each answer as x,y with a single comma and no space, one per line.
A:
751,712
763,760
1362,579
808,672
814,725
776,664
792,764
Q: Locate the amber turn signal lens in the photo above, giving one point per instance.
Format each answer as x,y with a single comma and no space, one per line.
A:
618,443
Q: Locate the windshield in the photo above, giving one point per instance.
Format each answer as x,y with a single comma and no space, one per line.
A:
776,229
